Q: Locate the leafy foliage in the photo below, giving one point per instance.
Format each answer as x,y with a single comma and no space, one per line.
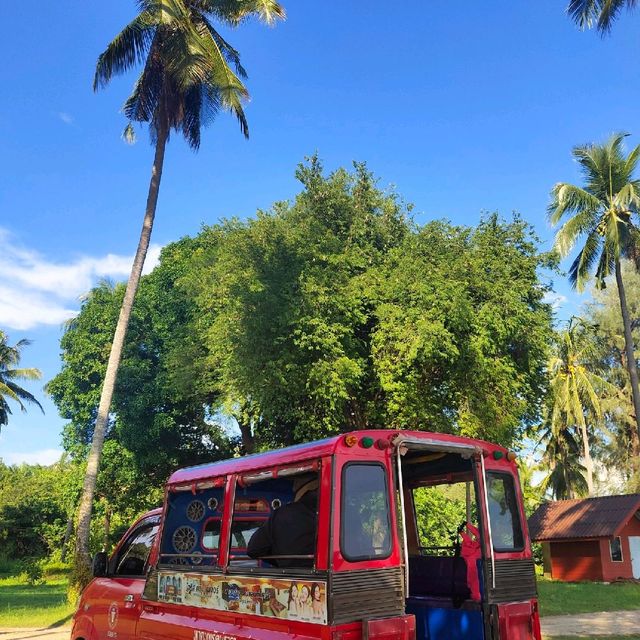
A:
10,390
619,448
599,13
604,211
187,76
331,313
160,418
33,508
335,312
439,511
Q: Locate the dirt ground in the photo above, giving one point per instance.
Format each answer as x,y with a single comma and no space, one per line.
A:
620,623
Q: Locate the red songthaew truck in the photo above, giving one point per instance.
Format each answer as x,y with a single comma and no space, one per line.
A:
378,570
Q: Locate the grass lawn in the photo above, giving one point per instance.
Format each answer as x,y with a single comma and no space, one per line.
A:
557,598
43,605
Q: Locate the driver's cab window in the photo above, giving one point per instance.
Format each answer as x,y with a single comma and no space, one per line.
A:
133,555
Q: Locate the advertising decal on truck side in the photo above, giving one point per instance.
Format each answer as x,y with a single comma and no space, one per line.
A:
302,600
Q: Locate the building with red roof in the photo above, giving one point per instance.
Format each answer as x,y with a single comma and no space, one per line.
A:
591,539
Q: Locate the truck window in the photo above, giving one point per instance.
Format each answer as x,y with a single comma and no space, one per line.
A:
191,533
274,521
506,529
132,556
211,534
365,532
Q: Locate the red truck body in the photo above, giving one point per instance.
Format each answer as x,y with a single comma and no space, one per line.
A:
183,572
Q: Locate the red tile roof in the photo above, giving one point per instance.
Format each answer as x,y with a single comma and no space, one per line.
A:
588,518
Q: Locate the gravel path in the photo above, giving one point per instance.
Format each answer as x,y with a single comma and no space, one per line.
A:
611,623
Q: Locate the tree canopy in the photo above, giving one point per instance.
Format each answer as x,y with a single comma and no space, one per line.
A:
333,312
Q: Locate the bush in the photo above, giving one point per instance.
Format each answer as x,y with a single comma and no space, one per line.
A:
9,566
52,566
31,572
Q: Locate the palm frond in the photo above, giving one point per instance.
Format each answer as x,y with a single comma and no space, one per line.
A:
581,266
599,13
22,374
610,10
628,198
233,12
230,54
584,12
23,395
126,50
568,198
582,222
7,391
224,86
631,162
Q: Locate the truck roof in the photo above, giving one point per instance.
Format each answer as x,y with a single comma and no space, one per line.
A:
306,451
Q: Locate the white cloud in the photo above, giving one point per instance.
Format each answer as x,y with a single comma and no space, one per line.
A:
556,300
35,291
43,457
65,117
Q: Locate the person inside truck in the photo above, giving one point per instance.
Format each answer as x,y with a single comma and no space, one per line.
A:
290,530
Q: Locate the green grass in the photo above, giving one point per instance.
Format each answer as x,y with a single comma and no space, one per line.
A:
558,598
43,605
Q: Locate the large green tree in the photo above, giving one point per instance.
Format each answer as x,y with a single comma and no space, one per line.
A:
160,410
599,13
604,213
336,312
185,81
10,374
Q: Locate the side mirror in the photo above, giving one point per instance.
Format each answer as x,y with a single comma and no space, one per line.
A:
99,565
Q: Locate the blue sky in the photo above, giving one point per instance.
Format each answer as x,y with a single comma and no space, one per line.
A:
463,107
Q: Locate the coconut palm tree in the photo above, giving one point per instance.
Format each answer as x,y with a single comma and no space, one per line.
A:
604,211
601,13
9,389
565,477
575,390
186,80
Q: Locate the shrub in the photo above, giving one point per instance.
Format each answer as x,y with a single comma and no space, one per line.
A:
32,572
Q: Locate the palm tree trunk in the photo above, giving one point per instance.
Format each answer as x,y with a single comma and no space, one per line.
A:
588,461
93,462
628,345
67,536
106,544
